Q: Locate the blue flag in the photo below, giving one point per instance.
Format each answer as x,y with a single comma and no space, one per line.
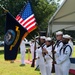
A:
13,36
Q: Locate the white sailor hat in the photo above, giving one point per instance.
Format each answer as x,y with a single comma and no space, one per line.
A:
48,39
66,36
69,37
59,33
42,37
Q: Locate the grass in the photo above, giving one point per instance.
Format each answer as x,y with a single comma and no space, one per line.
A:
7,68
73,55
1,48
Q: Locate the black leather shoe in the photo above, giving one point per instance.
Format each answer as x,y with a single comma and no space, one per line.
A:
22,65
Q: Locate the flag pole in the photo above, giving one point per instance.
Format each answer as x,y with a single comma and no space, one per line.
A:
4,8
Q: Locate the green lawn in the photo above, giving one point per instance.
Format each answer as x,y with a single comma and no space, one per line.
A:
7,68
73,55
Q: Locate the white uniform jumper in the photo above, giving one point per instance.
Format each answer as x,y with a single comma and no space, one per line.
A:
58,46
48,60
64,60
41,62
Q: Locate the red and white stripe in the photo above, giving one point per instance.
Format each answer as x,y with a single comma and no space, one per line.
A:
29,23
72,66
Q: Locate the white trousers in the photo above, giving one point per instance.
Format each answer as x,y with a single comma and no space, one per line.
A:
42,69
48,67
32,53
42,66
62,69
57,70
36,62
65,69
22,56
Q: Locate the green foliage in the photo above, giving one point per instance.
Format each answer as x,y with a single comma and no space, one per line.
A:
42,10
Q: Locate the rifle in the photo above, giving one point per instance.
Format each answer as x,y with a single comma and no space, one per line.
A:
33,61
53,67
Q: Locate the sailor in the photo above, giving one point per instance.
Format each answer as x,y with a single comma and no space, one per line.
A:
64,57
23,51
32,48
36,61
37,39
41,58
48,55
58,45
71,42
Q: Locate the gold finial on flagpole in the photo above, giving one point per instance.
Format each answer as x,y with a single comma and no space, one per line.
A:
5,10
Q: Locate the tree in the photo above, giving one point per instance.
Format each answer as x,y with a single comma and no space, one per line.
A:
42,10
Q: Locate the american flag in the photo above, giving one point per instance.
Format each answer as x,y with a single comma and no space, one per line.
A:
26,18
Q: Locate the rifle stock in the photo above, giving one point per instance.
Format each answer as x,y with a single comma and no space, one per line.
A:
53,67
33,63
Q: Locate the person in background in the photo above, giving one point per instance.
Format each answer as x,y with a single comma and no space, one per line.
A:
32,48
23,51
36,61
71,43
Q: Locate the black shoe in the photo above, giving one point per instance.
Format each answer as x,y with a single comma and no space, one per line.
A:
37,69
22,65
39,73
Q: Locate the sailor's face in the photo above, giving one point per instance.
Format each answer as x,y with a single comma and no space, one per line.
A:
58,37
48,42
65,41
42,40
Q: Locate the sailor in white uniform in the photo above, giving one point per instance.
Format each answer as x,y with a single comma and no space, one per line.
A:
41,59
36,61
48,55
64,57
32,48
58,46
71,43
23,51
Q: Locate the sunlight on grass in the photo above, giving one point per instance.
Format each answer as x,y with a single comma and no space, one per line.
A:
7,68
1,48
